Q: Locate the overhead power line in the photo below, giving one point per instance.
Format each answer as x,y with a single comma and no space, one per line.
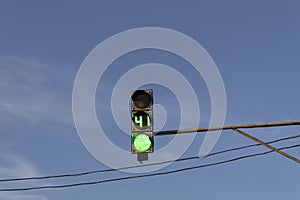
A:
142,176
145,165
231,127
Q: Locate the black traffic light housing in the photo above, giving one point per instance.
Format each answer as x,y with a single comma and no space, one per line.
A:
142,121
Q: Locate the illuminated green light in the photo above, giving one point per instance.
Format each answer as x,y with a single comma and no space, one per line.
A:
142,142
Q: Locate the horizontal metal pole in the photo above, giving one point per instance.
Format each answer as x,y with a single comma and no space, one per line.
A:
261,125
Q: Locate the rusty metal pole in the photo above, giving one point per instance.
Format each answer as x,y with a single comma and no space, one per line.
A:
267,145
261,125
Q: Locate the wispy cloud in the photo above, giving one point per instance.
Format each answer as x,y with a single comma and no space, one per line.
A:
27,92
15,166
21,197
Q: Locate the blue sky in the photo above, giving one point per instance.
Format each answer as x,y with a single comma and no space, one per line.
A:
255,45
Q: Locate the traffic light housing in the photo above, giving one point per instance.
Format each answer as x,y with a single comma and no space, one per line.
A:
142,121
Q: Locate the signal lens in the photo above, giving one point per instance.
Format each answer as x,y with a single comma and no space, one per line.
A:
142,142
141,99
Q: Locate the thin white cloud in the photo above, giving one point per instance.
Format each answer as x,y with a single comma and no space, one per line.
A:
11,196
26,92
15,166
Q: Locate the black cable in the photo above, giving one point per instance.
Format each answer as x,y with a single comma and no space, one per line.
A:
143,176
146,165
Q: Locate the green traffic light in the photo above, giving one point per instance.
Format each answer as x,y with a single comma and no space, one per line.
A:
142,142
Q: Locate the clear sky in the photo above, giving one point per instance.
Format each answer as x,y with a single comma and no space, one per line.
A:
255,45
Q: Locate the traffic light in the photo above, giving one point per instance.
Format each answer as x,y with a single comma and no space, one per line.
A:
142,121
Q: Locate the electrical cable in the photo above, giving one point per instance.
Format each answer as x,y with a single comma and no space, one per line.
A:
143,176
145,165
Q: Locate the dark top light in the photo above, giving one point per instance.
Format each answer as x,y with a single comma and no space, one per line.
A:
141,99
